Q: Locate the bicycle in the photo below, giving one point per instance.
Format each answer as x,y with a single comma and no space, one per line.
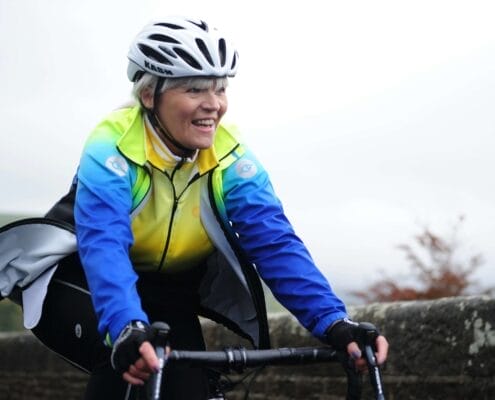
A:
238,359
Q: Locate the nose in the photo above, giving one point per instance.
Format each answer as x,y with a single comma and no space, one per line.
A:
211,101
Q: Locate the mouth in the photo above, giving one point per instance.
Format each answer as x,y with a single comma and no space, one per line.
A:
204,123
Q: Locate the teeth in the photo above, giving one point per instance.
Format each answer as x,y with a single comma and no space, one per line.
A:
205,122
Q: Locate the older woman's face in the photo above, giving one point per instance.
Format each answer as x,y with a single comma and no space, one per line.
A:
191,115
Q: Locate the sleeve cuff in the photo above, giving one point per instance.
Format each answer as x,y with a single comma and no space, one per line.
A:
320,329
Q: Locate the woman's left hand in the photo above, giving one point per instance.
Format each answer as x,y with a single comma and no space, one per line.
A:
381,353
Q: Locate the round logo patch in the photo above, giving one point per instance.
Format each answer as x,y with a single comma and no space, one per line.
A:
117,164
78,331
246,169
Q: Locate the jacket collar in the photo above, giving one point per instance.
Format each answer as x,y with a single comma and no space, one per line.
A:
132,143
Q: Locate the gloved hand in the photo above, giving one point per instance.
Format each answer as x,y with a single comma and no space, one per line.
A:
342,333
362,335
126,348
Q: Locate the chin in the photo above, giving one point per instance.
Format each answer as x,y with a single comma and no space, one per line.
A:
204,144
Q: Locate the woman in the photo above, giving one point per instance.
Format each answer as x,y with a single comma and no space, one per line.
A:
175,217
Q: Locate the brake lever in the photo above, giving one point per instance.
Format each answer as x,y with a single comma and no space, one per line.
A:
160,342
368,334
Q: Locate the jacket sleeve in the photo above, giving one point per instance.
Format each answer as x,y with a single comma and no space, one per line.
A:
269,240
103,229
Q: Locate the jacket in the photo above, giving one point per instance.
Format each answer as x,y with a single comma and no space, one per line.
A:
241,215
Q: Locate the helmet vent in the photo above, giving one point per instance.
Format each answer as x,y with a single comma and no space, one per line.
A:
163,38
202,25
154,55
234,61
168,51
222,51
137,76
171,26
188,58
204,50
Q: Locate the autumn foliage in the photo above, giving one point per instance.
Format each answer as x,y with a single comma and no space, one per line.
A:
436,271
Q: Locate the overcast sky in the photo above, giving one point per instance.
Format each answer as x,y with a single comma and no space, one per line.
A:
374,118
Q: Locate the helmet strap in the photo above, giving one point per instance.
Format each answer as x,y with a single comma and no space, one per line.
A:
155,121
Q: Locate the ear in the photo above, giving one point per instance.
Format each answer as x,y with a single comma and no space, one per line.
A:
147,99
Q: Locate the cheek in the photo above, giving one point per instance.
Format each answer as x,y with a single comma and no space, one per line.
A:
224,105
174,118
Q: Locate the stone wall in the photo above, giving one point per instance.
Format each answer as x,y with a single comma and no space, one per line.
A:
443,349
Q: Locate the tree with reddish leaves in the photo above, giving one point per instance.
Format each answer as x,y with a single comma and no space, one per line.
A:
436,271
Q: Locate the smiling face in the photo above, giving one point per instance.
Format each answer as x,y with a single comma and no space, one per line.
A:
191,112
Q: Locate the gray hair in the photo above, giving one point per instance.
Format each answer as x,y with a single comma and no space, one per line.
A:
149,81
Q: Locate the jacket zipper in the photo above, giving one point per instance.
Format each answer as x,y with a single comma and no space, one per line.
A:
174,207
176,202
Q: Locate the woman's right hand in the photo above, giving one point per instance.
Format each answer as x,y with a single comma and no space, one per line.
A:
144,366
133,355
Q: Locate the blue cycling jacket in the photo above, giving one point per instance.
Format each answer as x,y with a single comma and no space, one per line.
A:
135,211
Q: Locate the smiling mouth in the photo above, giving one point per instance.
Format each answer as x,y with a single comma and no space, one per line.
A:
206,123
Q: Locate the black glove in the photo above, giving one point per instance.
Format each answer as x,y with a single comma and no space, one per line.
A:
342,333
126,348
346,331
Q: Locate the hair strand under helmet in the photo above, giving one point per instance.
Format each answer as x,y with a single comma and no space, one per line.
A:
181,47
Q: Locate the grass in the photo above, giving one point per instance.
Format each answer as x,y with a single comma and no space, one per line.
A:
8,218
10,317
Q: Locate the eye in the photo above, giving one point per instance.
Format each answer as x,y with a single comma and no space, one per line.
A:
194,90
221,90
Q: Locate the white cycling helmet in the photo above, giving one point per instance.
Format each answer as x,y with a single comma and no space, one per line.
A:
177,47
